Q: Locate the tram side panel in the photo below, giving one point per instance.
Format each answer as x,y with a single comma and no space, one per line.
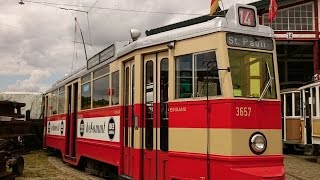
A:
98,135
56,133
188,140
230,152
228,139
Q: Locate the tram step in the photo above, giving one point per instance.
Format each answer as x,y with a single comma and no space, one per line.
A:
126,177
70,157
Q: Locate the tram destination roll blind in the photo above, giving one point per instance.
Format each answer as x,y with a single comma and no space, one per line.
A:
254,42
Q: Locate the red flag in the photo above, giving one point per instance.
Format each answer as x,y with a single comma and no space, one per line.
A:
214,6
273,8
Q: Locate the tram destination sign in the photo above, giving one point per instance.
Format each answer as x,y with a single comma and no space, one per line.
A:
107,53
93,61
245,41
101,57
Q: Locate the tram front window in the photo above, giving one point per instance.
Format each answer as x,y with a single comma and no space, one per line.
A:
251,73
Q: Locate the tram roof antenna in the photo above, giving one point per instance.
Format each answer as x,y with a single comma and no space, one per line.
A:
84,45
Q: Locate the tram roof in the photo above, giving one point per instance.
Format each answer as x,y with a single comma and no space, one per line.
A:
229,23
289,90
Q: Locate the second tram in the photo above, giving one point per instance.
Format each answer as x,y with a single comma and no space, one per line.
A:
200,102
293,131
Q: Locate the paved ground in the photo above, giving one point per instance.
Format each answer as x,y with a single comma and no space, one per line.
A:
40,166
300,167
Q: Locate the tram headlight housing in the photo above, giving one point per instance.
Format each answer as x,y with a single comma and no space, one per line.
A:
258,143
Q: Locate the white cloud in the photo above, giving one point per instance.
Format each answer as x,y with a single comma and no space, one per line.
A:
36,40
32,84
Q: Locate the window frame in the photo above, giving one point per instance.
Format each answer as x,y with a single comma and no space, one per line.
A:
110,72
60,93
193,64
294,18
55,95
84,83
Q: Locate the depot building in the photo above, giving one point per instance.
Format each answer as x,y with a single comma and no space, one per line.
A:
297,37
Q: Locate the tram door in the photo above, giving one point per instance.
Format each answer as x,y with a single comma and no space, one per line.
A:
128,131
155,135
71,127
307,115
45,121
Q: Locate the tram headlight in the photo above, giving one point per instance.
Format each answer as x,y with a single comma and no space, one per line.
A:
258,143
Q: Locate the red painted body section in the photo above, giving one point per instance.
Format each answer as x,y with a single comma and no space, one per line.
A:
149,164
108,152
222,114
56,142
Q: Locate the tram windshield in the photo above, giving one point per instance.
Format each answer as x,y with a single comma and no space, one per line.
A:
252,74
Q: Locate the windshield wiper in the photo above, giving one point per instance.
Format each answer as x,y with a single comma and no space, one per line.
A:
269,84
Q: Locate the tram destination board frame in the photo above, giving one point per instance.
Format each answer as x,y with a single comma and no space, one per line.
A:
246,41
102,56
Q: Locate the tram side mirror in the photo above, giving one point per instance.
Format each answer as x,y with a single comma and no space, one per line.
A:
136,120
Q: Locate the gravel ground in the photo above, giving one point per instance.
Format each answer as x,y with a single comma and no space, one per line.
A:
40,166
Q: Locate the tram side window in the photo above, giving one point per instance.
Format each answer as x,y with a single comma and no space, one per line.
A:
289,104
314,111
86,91
115,88
184,76
297,104
101,87
206,81
149,105
61,100
54,102
100,92
192,78
49,106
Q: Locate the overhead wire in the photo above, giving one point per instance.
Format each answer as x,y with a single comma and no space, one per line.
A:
74,46
112,9
38,33
89,25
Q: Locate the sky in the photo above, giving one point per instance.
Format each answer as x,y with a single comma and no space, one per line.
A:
37,38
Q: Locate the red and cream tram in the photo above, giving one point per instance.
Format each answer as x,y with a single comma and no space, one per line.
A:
200,102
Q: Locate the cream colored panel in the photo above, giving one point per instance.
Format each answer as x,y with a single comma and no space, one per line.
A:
198,44
137,138
188,140
172,74
235,142
228,142
138,75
